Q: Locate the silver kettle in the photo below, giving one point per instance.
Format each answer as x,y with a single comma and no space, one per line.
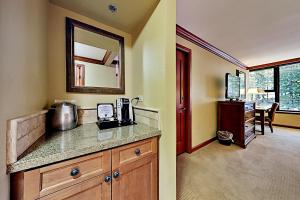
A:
63,116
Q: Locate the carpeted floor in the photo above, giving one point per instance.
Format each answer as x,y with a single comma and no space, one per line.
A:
269,169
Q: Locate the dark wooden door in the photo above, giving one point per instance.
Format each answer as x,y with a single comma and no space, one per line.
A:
79,75
181,103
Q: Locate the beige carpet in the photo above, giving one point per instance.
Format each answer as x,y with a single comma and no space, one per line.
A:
269,169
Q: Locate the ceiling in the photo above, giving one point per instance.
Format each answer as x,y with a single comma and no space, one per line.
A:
254,32
130,15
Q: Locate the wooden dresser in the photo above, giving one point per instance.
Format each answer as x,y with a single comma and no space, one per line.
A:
123,173
237,117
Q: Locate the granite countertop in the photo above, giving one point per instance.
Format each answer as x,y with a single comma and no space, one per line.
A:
84,139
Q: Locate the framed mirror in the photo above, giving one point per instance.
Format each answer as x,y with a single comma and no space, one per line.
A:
94,59
242,76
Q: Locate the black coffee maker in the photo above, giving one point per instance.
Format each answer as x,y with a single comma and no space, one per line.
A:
124,111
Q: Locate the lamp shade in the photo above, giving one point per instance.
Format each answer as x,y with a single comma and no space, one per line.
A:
255,91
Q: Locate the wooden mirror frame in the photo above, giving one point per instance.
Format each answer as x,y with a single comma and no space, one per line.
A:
70,75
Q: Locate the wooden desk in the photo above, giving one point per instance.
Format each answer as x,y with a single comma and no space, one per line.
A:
262,112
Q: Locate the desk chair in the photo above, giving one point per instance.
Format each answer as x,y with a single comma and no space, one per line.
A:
270,115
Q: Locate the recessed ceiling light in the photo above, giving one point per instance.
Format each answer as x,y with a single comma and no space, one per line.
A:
112,8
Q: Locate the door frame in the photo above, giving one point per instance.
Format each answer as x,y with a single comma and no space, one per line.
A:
188,135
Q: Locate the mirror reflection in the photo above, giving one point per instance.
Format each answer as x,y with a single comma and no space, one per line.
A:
96,60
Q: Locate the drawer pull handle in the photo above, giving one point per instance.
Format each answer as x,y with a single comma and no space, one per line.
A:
75,172
107,179
116,174
137,152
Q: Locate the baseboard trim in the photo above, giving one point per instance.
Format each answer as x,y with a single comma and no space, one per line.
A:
286,126
203,144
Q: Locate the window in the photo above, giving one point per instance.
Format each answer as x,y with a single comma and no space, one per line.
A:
289,87
280,84
263,81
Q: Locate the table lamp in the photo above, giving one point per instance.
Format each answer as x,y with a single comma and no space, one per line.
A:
254,91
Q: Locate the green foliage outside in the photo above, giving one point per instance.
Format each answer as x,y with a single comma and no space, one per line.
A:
263,79
289,86
289,94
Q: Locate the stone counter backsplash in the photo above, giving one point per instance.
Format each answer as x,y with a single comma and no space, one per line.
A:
22,132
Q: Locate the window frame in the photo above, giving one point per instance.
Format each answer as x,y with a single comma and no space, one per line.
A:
274,85
277,85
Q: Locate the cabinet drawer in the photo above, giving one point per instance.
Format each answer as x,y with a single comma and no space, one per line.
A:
249,115
92,189
65,174
132,152
249,125
249,133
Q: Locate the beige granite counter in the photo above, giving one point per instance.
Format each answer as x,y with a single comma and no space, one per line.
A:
85,139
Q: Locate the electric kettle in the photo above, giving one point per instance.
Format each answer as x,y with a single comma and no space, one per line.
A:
63,116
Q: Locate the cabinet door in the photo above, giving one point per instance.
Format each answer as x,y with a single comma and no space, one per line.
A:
136,180
93,189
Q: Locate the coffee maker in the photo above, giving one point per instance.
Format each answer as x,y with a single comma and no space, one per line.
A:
124,111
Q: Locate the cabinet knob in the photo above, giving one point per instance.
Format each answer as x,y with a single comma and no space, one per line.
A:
116,174
107,179
75,171
137,152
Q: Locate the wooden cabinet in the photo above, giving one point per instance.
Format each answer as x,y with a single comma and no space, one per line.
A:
128,172
237,117
92,189
65,174
135,171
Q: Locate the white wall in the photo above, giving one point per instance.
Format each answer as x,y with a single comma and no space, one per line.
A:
23,62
